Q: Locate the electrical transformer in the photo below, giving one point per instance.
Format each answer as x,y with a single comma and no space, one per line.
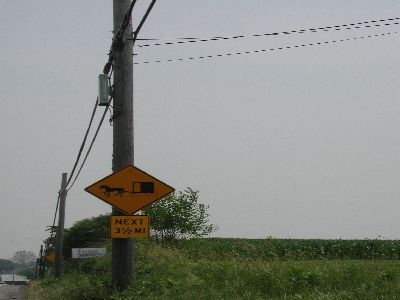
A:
104,90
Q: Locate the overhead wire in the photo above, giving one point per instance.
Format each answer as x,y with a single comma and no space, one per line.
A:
55,213
139,27
55,217
52,228
118,42
350,26
116,45
82,145
91,144
264,50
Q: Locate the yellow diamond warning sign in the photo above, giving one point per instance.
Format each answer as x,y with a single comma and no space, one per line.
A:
129,190
129,227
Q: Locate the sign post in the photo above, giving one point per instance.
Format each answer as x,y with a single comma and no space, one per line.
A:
128,191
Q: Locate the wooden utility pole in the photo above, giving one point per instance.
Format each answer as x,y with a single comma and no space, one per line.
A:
41,262
37,268
60,228
122,249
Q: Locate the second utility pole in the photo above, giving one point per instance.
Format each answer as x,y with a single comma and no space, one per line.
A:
60,228
122,249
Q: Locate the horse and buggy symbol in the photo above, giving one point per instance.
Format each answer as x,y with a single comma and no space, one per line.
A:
137,188
129,189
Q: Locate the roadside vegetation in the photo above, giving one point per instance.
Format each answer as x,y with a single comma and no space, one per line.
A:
228,269
179,263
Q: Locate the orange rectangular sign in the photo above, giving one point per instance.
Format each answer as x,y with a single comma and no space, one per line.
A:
125,227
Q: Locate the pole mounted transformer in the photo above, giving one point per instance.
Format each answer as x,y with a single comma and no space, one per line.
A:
104,90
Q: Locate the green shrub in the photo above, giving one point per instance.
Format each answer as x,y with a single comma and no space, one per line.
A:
179,215
86,233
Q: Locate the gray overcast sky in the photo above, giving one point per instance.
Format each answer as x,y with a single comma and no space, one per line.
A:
300,143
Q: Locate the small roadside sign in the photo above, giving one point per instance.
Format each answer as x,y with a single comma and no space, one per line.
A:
129,189
129,227
51,257
88,252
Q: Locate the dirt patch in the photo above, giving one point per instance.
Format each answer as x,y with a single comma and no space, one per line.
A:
12,292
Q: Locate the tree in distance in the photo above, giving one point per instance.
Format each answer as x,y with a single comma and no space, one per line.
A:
6,265
24,258
24,262
179,215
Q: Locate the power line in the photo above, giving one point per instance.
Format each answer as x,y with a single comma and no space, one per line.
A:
73,169
116,46
76,163
55,213
91,145
118,42
82,145
188,40
265,50
136,32
55,216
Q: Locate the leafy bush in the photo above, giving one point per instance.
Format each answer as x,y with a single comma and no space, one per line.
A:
179,215
86,233
77,286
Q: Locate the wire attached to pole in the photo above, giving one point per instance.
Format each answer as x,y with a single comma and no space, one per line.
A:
203,57
136,32
118,43
351,26
83,144
91,144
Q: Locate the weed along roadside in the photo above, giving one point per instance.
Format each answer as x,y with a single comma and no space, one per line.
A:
87,244
175,260
217,268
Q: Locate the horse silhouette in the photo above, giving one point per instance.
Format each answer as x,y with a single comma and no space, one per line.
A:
108,190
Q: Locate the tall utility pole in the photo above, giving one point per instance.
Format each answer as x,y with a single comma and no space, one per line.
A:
122,249
60,228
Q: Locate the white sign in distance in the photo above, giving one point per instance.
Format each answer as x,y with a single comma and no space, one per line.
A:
88,252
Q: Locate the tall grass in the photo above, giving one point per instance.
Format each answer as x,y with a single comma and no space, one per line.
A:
290,249
237,269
